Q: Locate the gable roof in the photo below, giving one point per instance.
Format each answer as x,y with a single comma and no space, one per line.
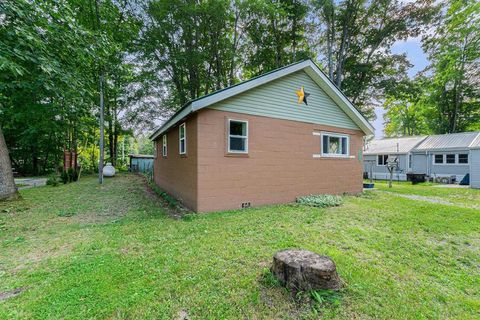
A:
399,145
462,140
307,65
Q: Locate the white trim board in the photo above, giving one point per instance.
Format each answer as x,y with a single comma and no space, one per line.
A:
308,66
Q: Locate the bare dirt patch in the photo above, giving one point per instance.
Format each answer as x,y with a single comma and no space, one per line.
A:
12,293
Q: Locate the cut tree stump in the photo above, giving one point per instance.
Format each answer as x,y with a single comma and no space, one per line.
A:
302,270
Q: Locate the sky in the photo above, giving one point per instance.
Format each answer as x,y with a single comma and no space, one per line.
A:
417,57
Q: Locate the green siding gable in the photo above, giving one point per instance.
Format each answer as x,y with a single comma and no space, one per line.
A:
278,99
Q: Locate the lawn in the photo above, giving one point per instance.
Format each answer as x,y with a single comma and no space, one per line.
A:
463,196
84,251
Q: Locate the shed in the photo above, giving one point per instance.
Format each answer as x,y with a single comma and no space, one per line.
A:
141,162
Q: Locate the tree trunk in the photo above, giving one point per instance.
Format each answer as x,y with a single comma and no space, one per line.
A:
8,190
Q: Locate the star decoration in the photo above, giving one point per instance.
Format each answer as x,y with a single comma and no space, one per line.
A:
302,96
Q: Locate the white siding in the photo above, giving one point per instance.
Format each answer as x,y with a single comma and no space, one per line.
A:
277,99
475,168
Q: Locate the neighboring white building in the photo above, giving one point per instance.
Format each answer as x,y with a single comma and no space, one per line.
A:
376,154
437,156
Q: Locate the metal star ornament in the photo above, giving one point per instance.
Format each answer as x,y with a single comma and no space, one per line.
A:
302,96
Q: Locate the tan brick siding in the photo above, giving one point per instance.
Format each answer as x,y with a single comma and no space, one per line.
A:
279,167
177,174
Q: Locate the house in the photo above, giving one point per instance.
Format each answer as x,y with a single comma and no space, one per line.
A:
268,140
445,155
377,152
140,163
437,156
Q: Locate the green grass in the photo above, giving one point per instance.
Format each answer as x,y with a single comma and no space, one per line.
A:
85,251
462,196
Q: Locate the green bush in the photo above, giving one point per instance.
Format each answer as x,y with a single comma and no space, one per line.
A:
321,200
52,181
72,175
64,177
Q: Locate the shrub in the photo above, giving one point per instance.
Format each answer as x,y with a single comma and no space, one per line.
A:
72,175
52,181
321,200
64,177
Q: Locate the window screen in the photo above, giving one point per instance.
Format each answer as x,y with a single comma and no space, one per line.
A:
238,136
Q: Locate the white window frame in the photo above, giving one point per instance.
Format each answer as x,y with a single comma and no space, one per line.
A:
468,159
337,135
444,159
455,158
236,136
164,145
184,138
383,158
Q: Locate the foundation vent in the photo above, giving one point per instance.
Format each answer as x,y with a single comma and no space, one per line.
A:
245,205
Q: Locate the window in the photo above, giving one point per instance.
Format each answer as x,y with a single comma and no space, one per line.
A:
334,145
237,136
438,159
182,139
164,145
463,158
409,161
382,160
450,158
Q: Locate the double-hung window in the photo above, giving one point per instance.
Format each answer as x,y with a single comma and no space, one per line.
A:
335,145
438,159
182,141
450,158
164,145
237,136
463,158
382,159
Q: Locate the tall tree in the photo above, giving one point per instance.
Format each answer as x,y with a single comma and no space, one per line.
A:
275,35
8,190
355,39
405,109
454,49
190,47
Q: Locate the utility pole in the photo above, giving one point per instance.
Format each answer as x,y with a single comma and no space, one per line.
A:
100,85
102,134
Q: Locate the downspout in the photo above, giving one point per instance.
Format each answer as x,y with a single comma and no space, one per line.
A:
428,164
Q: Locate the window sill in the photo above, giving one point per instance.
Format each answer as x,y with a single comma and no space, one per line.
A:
237,155
322,156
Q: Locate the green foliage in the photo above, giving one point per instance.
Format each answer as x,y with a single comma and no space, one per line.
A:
171,201
448,99
276,35
49,66
64,177
355,40
52,181
268,279
72,175
322,200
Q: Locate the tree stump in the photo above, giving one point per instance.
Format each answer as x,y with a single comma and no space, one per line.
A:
302,270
